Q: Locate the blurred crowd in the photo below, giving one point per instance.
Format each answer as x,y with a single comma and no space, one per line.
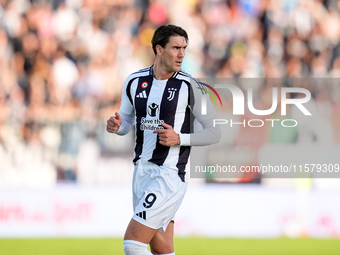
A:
63,64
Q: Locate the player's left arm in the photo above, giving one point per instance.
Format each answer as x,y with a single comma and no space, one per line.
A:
210,134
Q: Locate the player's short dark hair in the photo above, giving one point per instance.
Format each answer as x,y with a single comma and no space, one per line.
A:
163,33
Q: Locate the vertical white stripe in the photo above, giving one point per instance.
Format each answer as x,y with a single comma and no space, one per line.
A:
182,103
133,91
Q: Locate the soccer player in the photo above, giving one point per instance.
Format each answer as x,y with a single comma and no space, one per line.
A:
161,100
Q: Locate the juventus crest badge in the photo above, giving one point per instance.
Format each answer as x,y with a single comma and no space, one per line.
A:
172,92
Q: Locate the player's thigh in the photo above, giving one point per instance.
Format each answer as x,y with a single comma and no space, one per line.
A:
138,232
163,243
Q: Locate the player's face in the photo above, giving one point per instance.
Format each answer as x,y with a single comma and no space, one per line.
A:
173,54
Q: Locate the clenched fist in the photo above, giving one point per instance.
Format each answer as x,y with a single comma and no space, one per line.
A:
114,123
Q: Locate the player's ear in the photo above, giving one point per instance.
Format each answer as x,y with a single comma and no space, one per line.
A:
159,50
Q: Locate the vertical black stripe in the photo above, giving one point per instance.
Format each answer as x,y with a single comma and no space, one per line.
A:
191,98
128,90
187,128
140,108
167,114
184,151
144,215
140,215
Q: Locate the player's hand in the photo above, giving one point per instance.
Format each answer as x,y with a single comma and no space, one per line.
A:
114,123
167,136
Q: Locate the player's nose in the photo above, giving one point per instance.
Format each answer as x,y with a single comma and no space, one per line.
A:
181,53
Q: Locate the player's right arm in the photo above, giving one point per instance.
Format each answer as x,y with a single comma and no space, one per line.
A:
123,121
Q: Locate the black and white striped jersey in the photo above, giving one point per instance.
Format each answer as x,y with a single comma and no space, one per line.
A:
146,102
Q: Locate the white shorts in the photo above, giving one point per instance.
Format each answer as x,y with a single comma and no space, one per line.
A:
157,194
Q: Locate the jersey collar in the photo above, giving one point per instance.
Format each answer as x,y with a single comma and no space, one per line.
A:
172,76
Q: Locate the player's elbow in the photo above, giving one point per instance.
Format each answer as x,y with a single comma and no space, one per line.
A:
213,136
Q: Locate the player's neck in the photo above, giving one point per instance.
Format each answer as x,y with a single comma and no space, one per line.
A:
160,73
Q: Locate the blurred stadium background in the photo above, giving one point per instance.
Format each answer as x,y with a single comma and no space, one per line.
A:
62,67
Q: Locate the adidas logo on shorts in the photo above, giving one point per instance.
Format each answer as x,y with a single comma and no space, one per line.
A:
142,215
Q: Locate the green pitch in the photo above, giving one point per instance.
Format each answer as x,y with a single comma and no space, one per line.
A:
183,246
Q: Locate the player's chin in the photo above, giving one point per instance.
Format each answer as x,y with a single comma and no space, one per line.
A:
177,68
